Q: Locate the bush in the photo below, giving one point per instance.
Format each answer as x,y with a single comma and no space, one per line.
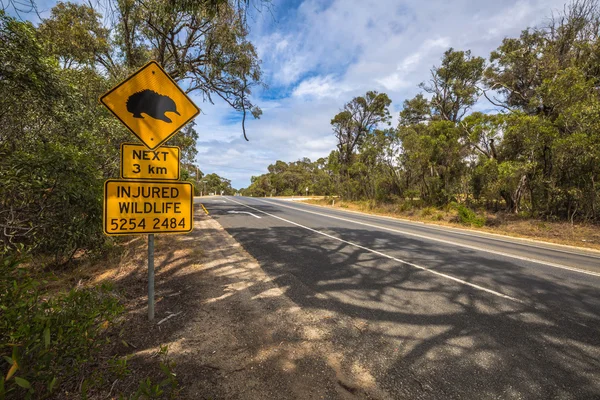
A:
427,211
467,216
45,342
55,197
404,206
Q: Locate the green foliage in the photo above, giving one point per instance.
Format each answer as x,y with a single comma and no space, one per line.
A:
56,147
46,340
74,33
467,216
453,85
57,209
168,387
427,211
118,367
415,110
204,43
58,143
213,183
289,179
360,116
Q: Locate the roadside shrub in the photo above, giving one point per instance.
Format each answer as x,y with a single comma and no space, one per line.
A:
404,206
467,216
166,388
451,206
54,195
47,341
427,211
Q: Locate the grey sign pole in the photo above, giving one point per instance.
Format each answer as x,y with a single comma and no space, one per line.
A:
151,276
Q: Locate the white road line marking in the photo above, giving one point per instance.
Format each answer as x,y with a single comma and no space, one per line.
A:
210,200
452,278
243,212
581,271
591,253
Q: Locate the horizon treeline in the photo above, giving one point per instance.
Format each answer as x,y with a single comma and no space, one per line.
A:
538,153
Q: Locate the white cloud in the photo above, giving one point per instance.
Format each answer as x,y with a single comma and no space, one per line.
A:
319,55
281,45
319,86
394,82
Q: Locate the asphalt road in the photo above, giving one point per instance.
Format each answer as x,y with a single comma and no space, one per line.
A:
450,314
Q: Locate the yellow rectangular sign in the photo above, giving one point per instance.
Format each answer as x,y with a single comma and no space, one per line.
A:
137,162
134,207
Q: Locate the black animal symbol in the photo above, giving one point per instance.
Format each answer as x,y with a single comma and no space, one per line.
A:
151,103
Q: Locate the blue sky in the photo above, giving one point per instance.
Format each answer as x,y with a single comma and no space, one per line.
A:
316,55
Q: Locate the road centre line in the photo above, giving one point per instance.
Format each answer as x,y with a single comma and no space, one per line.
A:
450,277
581,271
244,212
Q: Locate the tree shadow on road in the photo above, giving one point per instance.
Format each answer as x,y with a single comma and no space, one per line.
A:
431,335
326,311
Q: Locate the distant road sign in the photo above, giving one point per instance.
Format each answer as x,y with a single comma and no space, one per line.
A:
134,207
137,162
151,105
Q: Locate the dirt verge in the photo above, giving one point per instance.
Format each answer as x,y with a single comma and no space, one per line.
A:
233,333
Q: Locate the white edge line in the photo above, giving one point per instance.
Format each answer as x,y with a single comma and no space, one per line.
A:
581,271
583,251
452,278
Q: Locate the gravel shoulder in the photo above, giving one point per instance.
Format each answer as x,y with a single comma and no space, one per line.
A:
235,335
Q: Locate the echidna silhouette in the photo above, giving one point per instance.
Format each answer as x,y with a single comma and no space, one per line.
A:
151,103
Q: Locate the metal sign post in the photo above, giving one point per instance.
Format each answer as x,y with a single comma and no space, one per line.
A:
151,276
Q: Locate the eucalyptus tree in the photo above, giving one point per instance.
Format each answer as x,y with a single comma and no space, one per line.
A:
359,118
454,85
546,82
203,45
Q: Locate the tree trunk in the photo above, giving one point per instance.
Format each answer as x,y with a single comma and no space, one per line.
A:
518,194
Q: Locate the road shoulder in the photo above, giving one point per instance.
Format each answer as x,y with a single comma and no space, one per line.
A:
234,333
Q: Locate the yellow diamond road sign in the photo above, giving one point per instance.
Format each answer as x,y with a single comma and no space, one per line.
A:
151,105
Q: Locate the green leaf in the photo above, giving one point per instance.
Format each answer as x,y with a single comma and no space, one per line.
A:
22,382
47,337
52,384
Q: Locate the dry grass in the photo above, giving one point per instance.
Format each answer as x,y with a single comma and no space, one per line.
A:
234,333
578,234
87,271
